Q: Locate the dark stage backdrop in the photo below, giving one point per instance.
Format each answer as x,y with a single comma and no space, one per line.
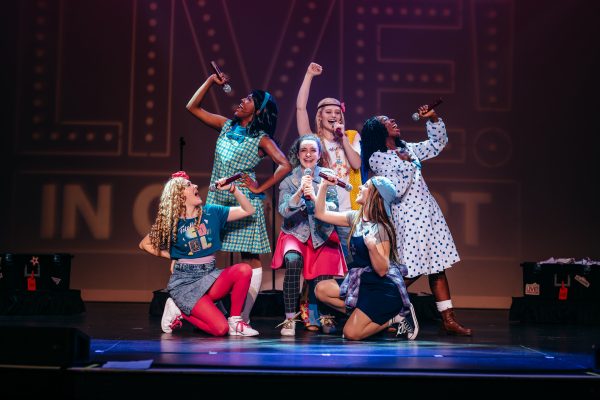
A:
97,90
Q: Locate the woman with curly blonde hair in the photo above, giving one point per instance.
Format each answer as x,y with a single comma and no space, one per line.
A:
188,233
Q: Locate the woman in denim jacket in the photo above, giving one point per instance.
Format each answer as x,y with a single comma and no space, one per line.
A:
305,245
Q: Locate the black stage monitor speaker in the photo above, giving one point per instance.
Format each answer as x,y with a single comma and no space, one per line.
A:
48,346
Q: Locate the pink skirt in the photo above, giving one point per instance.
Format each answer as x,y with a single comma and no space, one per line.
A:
328,259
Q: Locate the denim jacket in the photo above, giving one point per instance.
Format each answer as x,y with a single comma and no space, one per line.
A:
298,218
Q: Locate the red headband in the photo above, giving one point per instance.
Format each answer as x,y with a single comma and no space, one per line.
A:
180,174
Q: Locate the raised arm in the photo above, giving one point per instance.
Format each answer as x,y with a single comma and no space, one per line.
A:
331,217
436,133
194,106
302,121
147,247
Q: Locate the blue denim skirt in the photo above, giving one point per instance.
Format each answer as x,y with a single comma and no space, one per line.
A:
189,282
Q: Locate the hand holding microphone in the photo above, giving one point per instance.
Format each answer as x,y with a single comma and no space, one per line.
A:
338,130
306,185
334,180
222,76
423,111
226,181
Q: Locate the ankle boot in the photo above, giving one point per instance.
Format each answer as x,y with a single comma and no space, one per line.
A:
451,327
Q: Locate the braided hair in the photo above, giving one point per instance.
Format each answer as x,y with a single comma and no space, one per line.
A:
373,137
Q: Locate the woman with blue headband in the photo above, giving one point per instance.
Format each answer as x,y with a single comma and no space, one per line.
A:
373,291
243,142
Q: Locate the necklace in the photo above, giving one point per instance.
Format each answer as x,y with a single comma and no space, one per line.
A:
339,164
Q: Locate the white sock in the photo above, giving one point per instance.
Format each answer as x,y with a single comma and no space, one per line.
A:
396,320
255,283
443,305
289,315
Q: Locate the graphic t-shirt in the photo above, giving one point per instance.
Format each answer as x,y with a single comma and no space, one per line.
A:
202,238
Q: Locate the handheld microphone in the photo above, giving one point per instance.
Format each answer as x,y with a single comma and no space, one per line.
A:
213,186
215,67
337,132
416,116
307,171
339,183
309,206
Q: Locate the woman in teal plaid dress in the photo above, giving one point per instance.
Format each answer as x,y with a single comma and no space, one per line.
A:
243,141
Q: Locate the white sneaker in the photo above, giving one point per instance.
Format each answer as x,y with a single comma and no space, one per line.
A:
289,326
409,325
237,327
171,318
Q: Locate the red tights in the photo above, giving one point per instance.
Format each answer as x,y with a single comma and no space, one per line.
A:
206,316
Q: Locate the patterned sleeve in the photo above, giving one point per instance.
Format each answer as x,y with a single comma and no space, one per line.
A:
437,140
263,134
400,172
225,128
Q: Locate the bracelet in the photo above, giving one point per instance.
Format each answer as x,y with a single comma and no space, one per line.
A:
232,188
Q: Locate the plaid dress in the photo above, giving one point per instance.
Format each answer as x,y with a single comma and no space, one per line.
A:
236,152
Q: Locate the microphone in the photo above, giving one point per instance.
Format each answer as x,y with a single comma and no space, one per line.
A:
310,207
416,116
339,183
213,186
215,67
307,171
337,132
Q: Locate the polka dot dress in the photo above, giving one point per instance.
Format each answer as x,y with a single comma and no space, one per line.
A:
424,242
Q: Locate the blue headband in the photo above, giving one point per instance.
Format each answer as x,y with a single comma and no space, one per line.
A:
264,102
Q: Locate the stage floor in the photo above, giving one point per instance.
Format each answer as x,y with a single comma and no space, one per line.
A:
500,355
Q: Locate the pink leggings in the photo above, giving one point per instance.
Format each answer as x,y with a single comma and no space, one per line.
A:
206,316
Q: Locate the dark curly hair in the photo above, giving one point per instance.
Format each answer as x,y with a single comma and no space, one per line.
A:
265,120
295,148
373,136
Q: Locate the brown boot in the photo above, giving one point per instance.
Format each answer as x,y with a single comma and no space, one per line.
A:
452,327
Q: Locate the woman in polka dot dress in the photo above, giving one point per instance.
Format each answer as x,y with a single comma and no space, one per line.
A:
424,242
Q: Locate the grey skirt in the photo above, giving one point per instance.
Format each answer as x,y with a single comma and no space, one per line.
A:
189,282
